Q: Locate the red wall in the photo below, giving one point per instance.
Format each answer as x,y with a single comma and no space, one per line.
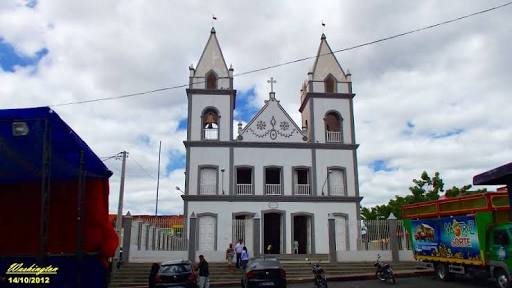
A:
20,206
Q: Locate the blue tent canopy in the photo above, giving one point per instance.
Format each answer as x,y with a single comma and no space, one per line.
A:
22,142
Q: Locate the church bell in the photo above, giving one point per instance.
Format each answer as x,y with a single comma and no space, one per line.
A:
210,120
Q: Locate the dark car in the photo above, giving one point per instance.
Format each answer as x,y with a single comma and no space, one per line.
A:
264,272
175,274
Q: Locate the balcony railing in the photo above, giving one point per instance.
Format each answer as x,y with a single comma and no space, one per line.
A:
244,189
337,190
207,189
302,189
273,189
211,133
332,136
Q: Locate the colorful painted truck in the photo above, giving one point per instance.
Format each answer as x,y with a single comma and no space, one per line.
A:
469,235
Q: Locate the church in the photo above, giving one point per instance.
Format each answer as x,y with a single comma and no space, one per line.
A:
273,183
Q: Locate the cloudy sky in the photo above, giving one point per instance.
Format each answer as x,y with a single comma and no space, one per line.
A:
437,100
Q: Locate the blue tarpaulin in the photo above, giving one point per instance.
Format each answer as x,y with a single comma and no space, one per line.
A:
22,142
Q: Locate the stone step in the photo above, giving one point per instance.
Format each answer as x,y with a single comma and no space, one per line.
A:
224,267
136,274
305,279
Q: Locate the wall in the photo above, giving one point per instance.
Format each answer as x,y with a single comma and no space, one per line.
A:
269,157
260,128
224,212
321,107
371,256
363,256
222,103
156,256
340,158
217,156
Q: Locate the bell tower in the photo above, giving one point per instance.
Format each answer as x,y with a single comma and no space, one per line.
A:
211,97
326,100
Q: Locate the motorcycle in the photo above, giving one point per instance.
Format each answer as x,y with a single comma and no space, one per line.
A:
384,271
319,274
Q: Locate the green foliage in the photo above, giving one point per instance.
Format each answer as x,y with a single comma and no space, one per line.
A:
463,191
425,188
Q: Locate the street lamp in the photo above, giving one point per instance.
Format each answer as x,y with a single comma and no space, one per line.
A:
179,189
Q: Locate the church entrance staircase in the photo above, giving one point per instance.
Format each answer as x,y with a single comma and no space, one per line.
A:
298,270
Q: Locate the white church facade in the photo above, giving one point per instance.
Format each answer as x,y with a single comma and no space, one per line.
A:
273,182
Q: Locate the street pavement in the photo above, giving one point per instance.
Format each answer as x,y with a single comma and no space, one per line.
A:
420,282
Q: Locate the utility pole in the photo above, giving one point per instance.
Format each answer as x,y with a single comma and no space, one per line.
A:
158,178
119,220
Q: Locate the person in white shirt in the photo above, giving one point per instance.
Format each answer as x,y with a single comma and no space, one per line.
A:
244,258
238,249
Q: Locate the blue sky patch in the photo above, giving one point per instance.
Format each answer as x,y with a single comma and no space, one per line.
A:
31,3
381,165
9,58
409,126
244,109
182,125
449,133
176,161
144,139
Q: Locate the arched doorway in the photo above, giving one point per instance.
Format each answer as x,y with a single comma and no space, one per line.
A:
302,233
273,227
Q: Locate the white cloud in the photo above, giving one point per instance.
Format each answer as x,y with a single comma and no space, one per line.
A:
452,77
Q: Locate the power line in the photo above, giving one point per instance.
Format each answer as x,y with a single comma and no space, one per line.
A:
143,169
292,61
105,159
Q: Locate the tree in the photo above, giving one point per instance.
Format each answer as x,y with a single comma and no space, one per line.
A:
425,188
463,191
368,213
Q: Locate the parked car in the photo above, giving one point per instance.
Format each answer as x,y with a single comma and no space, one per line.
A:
264,272
177,273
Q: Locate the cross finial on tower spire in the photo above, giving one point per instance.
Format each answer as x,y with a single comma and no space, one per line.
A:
271,81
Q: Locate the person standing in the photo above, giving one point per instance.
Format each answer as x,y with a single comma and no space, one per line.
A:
152,274
204,273
244,258
230,254
239,247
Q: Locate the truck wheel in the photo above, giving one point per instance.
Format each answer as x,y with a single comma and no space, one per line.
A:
442,272
502,280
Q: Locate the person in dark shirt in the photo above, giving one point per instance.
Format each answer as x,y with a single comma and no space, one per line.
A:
152,274
202,267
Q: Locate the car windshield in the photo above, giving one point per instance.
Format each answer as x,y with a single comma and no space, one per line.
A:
175,268
263,263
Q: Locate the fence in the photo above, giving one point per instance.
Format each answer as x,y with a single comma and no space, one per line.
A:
159,233
375,235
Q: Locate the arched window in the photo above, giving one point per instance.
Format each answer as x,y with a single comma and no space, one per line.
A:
210,125
333,127
330,84
211,80
337,181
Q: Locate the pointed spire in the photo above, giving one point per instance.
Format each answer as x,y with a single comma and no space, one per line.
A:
212,58
326,63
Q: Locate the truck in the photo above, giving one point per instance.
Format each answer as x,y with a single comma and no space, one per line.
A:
468,235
